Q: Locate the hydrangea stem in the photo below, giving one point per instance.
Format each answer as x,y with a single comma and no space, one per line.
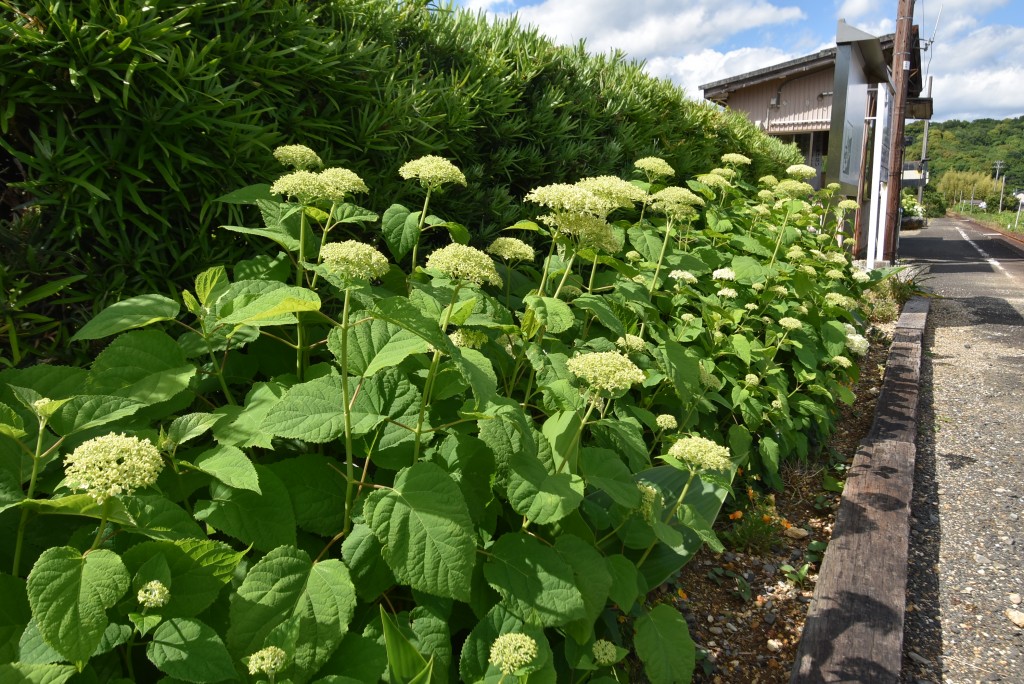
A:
300,329
671,514
565,276
661,257
419,231
20,539
428,386
350,475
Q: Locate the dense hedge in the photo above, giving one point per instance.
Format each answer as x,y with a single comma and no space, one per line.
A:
123,120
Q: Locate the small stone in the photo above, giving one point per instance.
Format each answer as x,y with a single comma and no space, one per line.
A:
1015,599
978,558
918,658
1016,617
796,533
717,631
711,618
770,618
774,645
1014,517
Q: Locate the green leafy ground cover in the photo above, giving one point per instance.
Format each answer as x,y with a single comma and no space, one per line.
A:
366,459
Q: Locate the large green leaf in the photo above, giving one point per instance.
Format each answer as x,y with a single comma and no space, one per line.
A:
388,394
89,411
550,312
274,307
403,313
312,411
506,430
604,470
593,579
189,426
14,615
246,426
229,465
264,520
190,650
317,490
375,345
401,230
70,593
157,517
199,569
538,492
362,552
646,241
145,365
663,642
135,312
604,313
284,585
25,673
534,581
405,663
426,532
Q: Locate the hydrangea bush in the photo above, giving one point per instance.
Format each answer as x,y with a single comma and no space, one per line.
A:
347,463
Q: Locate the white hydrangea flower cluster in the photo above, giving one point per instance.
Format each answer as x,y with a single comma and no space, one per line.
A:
297,156
112,465
808,269
860,276
468,339
563,198
591,232
612,188
713,180
724,173
727,293
666,421
857,344
766,196
838,258
604,653
768,181
750,306
267,660
801,171
724,274
654,168
847,205
701,453
834,274
610,372
650,499
735,159
780,290
795,252
756,287
840,300
511,249
631,344
751,380
512,652
153,594
793,188
354,260
676,202
433,172
684,276
790,323
633,255
333,184
462,262
842,361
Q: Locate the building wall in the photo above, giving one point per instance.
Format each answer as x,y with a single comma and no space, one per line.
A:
803,106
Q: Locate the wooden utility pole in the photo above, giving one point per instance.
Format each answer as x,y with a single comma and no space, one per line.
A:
901,75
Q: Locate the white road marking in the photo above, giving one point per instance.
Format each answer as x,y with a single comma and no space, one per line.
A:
984,255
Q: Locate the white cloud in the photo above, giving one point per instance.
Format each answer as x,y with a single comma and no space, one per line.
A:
852,10
694,70
649,28
979,94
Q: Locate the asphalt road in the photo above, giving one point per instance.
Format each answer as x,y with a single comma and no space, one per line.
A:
966,557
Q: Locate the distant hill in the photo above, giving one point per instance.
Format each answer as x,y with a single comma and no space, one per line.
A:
972,146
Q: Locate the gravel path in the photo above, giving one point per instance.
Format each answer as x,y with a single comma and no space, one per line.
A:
966,573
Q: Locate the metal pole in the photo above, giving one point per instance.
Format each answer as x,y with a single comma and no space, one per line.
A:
924,153
1001,188
900,71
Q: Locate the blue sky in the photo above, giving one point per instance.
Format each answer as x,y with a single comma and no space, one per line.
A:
977,59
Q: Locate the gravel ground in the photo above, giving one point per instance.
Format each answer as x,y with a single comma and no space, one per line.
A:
965,621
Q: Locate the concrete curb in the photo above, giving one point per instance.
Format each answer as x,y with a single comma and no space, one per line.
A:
854,628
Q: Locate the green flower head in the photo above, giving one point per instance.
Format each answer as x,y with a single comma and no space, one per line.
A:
305,186
847,205
735,159
354,260
267,660
511,249
432,172
768,181
153,595
112,465
666,421
801,171
604,653
630,343
724,173
462,262
701,453
612,188
338,183
297,156
713,180
654,168
790,323
605,372
513,651
675,202
590,232
793,188
563,198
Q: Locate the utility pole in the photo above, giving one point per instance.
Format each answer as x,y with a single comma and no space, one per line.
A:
901,74
999,167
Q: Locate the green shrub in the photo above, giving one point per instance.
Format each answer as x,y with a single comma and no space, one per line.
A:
125,120
323,464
